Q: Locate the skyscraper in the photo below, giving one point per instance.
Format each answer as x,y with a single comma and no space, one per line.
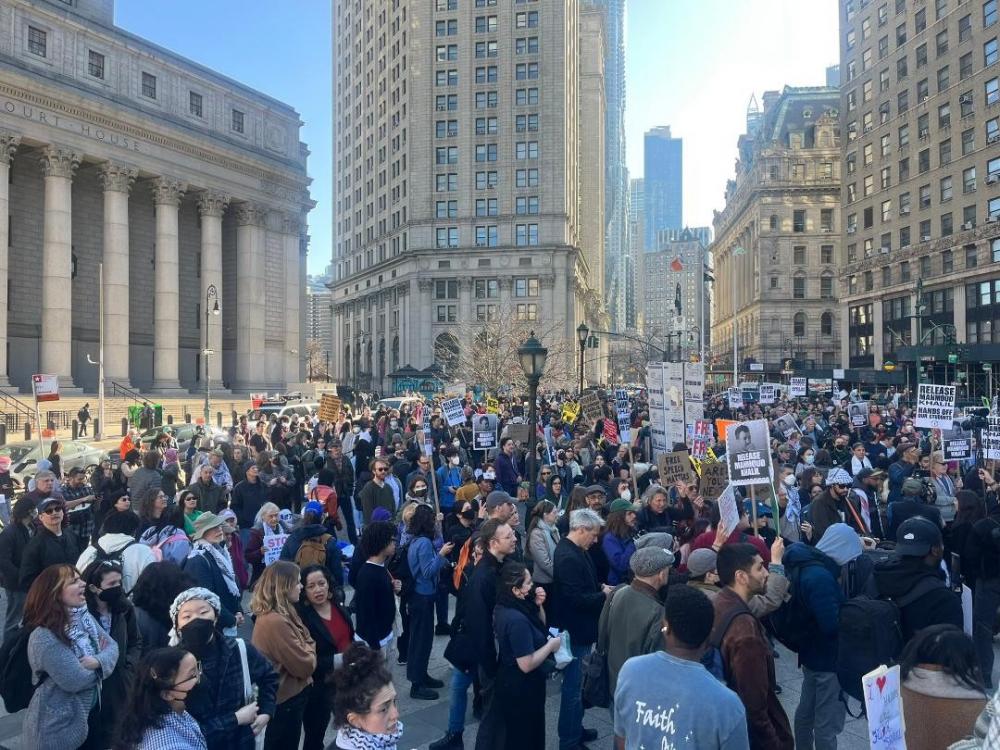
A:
633,262
663,165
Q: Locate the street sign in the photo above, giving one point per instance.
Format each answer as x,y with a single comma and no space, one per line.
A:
987,367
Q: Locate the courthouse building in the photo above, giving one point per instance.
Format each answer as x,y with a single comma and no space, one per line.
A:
177,179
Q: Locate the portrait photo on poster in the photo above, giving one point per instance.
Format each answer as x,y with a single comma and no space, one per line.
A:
484,431
748,453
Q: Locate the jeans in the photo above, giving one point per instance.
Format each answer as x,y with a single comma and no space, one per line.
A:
985,601
347,508
421,637
571,700
460,682
15,610
820,715
285,727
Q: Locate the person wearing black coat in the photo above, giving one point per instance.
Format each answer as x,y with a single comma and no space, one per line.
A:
343,482
248,497
13,541
51,544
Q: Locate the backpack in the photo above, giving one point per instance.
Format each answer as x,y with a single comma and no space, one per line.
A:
115,556
399,568
174,547
16,685
312,551
712,658
792,623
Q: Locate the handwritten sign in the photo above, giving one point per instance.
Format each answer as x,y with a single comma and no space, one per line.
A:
729,512
591,406
884,704
453,412
702,436
520,432
674,467
272,547
329,407
714,478
492,405
624,409
570,411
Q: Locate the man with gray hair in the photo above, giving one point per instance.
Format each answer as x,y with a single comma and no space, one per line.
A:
578,599
45,487
630,621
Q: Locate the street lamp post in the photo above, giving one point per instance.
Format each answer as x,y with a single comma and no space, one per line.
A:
532,355
582,334
210,294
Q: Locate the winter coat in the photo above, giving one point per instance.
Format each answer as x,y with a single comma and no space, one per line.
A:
937,709
629,626
289,648
507,471
220,693
541,550
819,590
144,479
117,685
238,557
211,496
57,714
326,649
618,551
479,597
134,559
45,549
152,632
577,599
898,575
206,572
13,541
248,497
334,559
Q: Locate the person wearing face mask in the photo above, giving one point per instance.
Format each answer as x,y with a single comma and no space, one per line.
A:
806,458
219,702
75,655
449,478
107,603
155,715
211,566
418,492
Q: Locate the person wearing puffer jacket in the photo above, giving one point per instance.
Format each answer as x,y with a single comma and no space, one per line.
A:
311,527
117,542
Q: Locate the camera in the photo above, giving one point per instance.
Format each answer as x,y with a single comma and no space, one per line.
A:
976,420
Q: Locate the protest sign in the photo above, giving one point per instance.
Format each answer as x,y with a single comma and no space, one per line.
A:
935,405
428,440
272,547
520,432
453,412
45,387
624,409
735,396
991,438
674,467
858,412
729,512
694,391
797,387
484,432
492,405
787,424
748,453
884,706
329,407
766,393
956,445
701,437
714,478
570,411
591,406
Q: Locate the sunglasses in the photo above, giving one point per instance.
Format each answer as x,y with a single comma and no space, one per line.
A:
52,510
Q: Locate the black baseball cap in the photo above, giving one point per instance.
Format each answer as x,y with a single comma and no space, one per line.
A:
916,536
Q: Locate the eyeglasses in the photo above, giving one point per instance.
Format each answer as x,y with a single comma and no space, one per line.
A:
52,510
380,470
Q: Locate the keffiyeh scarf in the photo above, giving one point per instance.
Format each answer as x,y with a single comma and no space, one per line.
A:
83,632
357,739
222,559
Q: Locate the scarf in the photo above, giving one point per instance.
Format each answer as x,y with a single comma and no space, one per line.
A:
357,739
222,559
527,607
83,632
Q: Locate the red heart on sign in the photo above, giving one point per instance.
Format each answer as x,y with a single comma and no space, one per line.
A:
880,681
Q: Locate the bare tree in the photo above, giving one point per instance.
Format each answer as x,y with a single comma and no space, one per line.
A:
316,360
485,353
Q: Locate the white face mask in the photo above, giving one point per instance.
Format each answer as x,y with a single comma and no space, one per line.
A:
394,424
455,460
456,443
809,459
356,430
789,480
626,495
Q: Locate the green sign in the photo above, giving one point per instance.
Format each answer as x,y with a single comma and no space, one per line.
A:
987,367
952,359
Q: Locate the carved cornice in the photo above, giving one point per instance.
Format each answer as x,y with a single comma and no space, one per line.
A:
167,191
426,285
8,145
211,203
465,283
60,162
250,214
402,289
117,178
547,281
291,223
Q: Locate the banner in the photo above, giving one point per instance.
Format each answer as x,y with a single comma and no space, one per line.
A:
45,387
797,387
272,547
694,391
610,431
453,412
428,440
329,407
674,467
657,409
520,432
484,432
935,405
714,478
673,402
721,425
624,409
858,412
748,453
767,393
702,437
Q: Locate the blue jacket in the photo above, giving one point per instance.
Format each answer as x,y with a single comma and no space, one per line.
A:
449,478
425,564
619,552
816,584
506,471
899,472
334,559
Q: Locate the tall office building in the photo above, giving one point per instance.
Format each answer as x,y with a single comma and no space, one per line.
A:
921,101
637,241
775,248
663,168
468,177
676,302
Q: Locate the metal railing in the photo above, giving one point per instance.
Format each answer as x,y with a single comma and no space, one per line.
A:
117,389
15,411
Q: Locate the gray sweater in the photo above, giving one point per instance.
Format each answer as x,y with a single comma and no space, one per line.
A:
57,714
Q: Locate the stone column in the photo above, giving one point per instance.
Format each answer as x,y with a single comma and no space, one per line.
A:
291,228
424,356
249,298
467,304
211,206
167,194
56,347
546,314
117,180
8,146
406,324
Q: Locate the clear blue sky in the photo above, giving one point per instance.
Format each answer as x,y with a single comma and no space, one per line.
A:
282,49
693,65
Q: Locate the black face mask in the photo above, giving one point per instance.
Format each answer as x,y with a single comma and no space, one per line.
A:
420,491
112,595
468,515
197,634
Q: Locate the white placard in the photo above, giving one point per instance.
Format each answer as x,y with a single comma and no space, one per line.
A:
694,392
657,409
453,412
624,409
45,387
991,438
748,453
858,412
935,406
884,704
797,387
767,393
272,547
735,396
729,512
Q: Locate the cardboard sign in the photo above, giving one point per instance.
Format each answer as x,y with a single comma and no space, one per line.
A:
624,408
729,511
767,393
453,412
570,411
492,405
45,387
935,405
700,438
748,453
272,547
714,478
884,704
858,412
519,432
787,424
735,396
674,467
591,406
484,431
329,407
797,387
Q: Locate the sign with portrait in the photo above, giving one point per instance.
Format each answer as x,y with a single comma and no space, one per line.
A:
748,453
484,431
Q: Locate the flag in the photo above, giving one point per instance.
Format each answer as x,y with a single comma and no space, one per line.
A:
676,265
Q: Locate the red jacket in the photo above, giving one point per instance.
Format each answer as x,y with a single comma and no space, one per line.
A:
706,540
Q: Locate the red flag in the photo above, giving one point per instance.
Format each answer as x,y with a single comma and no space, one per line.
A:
676,265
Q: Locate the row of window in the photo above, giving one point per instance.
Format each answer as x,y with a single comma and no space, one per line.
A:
523,205
453,4
487,126
523,311
946,227
523,45
486,24
485,288
525,235
800,221
800,283
486,99
485,152
924,267
487,74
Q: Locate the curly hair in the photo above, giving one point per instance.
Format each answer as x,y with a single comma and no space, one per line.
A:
157,587
422,523
375,538
363,674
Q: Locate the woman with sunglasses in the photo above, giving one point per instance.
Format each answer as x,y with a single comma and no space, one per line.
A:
73,653
156,716
107,603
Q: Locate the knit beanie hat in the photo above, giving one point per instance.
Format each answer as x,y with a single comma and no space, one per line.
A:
195,592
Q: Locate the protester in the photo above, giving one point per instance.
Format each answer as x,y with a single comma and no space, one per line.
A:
376,493
117,543
157,586
375,590
543,536
365,711
309,543
265,524
212,568
13,541
52,544
617,540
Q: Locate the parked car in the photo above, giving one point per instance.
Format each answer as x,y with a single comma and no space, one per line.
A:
183,432
283,409
398,402
24,457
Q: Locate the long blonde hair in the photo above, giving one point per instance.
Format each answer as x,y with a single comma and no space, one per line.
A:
272,589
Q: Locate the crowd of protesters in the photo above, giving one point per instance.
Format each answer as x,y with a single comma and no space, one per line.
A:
350,545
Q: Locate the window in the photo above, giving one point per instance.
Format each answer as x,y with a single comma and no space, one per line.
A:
486,206
486,152
969,180
886,276
904,237
526,45
526,178
447,237
487,289
523,97
826,219
964,28
971,256
965,66
941,42
446,155
37,41
886,210
799,255
904,203
826,287
446,5
947,261
925,196
924,160
826,254
903,101
968,141
527,311
484,74
944,152
95,64
883,48
446,183
883,81
992,91
446,78
485,3
993,209
799,221
447,313
869,184
526,150
525,287
526,123
238,121
525,234
940,9
904,271
993,167
486,180
194,103
444,289
923,90
527,20
446,209
901,70
149,85
486,24
990,52
925,230
850,39
885,177
867,155
487,236
483,49
989,13
484,125
992,129
919,21
921,55
526,71
449,52
995,249
486,100
947,225
526,204
799,287
446,128
446,28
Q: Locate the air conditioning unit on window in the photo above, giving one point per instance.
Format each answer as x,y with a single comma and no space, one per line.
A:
965,99
925,238
992,179
924,133
852,230
884,250
904,211
993,138
969,225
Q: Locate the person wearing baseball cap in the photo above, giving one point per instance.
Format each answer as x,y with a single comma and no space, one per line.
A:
908,457
503,507
309,543
826,507
913,578
866,495
51,545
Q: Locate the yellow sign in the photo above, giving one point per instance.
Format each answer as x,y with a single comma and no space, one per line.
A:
492,405
329,407
570,411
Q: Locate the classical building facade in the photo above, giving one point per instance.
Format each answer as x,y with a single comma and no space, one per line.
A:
468,177
175,179
920,99
776,240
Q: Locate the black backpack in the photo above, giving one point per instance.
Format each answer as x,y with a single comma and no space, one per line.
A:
115,556
399,568
792,623
16,687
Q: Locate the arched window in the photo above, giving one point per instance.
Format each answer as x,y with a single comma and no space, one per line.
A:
826,324
799,325
774,222
446,353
